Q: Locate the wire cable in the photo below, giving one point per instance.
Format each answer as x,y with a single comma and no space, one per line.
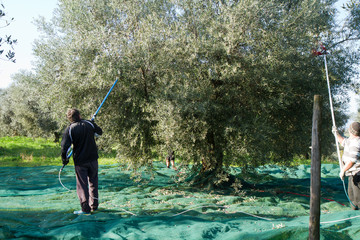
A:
124,210
347,193
60,179
204,206
68,188
340,220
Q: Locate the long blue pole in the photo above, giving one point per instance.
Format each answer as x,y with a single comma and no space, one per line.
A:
104,100
93,117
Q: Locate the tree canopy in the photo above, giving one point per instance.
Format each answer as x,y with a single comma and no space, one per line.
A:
218,82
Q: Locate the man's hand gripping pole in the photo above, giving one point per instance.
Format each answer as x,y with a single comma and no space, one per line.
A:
93,117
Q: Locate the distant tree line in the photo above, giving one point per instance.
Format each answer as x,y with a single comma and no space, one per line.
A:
219,82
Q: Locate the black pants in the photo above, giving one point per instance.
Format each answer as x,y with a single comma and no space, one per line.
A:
87,185
354,190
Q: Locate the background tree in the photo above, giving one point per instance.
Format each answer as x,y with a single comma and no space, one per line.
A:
21,112
6,42
353,19
351,34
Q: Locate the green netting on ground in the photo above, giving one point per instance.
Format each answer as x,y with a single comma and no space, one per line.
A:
33,205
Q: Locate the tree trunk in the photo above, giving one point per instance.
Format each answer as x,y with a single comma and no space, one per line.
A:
212,175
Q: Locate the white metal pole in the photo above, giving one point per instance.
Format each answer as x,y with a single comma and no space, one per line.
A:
332,113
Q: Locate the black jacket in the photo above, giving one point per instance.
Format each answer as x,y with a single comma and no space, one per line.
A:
82,136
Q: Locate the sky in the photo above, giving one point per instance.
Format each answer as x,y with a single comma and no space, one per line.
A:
24,30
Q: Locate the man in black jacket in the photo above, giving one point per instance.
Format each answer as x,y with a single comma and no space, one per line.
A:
81,134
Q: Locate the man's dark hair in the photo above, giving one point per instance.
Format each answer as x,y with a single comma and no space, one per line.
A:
73,115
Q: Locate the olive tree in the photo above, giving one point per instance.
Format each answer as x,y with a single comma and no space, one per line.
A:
21,112
218,82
